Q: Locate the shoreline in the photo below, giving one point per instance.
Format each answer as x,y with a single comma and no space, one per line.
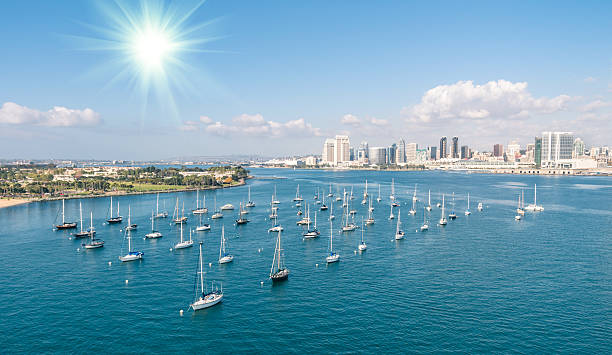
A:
16,201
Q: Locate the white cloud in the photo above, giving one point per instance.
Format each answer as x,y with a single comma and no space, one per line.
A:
12,113
495,99
350,119
379,122
189,126
256,125
206,120
594,105
590,79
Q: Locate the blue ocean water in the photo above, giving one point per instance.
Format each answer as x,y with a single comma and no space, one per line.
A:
483,283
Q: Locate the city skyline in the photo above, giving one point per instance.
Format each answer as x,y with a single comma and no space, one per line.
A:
374,72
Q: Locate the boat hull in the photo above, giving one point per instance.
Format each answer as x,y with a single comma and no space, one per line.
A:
94,245
66,226
207,301
114,220
183,245
205,227
131,257
153,235
226,259
332,258
281,275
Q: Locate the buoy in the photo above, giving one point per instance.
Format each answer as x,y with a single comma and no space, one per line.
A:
259,250
126,282
69,238
261,283
354,251
317,265
209,264
181,312
170,249
110,263
78,249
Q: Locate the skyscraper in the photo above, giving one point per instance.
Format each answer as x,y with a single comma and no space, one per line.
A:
362,152
455,147
411,152
556,146
537,156
392,154
498,150
328,151
378,155
401,151
342,150
465,152
433,153
443,147
578,147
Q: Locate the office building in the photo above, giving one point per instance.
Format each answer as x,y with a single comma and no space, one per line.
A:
392,154
465,152
328,151
556,146
401,152
498,150
433,153
514,151
537,152
377,155
455,148
362,153
578,148
342,152
443,147
411,152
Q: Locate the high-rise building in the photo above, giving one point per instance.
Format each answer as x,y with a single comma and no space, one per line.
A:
530,153
352,154
401,152
556,146
498,150
443,147
433,153
537,152
362,153
392,154
378,155
328,151
578,147
465,152
342,152
411,152
455,147
514,151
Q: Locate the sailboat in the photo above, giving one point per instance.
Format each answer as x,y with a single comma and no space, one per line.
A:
467,211
479,206
391,216
154,234
93,242
425,226
241,219
428,207
278,271
452,215
392,196
323,205
117,218
182,244
399,233
274,200
203,298
370,219
518,214
65,225
362,245
414,197
331,211
316,195
298,197
414,200
365,194
348,227
202,227
333,256
227,207
158,214
330,194
82,233
378,199
250,202
176,218
217,213
131,255
198,209
224,256
534,207
521,207
443,220
305,220
351,197
312,233
130,226
275,227
273,209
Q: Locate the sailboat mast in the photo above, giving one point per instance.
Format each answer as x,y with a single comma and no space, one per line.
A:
63,217
81,215
181,232
278,259
535,195
111,216
201,271
157,204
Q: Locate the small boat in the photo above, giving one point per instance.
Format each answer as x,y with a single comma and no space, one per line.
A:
224,256
425,226
391,216
452,215
414,201
365,193
198,209
154,234
298,197
65,225
348,227
275,227
428,201
306,220
443,220
520,209
312,233
182,244
414,196
217,213
241,219
467,211
534,207
378,199
392,196
227,207
370,219
299,204
93,242
250,203
332,256
203,227
330,194
130,225
205,299
176,218
399,233
278,271
274,200
131,255
362,245
158,214
82,233
479,206
323,205
517,217
331,211
116,219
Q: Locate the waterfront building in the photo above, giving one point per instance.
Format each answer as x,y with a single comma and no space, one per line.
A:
514,151
411,152
378,155
556,147
465,152
392,154
401,152
537,156
455,148
578,148
443,147
342,150
352,154
362,153
498,150
433,153
328,151
421,155
529,153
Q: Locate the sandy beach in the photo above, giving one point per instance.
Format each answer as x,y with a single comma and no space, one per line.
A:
4,202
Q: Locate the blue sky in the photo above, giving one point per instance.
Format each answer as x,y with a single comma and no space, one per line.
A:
280,76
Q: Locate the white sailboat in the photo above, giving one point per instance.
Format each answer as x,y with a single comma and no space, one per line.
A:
348,227
378,199
452,215
332,256
154,234
392,196
362,245
330,192
241,219
443,220
414,201
203,298
182,244
275,227
217,213
130,225
224,256
425,225
312,233
428,207
391,216
521,207
518,214
198,209
82,233
331,211
467,211
274,200
323,205
370,219
534,206
131,255
117,218
399,233
179,218
298,197
158,214
93,242
278,271
414,196
250,202
365,194
202,226
479,206
65,225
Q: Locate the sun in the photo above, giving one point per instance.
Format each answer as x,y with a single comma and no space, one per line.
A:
150,48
